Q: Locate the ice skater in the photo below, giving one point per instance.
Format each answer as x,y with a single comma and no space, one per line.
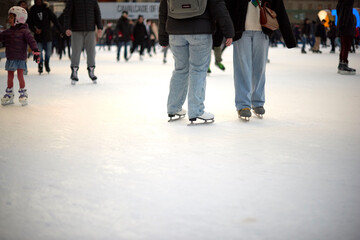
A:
40,19
80,19
251,44
346,32
190,39
17,38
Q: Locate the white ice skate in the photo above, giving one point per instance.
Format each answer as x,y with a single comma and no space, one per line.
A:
206,117
8,97
23,96
176,116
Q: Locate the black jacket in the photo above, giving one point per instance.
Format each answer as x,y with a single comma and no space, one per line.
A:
345,26
204,24
40,17
320,31
82,15
139,32
238,11
123,30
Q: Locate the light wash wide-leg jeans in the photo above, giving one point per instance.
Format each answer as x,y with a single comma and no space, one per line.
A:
192,58
250,57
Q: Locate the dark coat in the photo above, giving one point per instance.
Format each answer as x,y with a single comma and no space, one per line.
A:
238,11
16,40
82,15
140,32
345,25
320,31
40,17
203,24
306,29
123,30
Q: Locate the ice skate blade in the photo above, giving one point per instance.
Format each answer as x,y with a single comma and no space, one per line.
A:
175,117
261,116
246,119
7,103
73,82
205,122
346,72
23,102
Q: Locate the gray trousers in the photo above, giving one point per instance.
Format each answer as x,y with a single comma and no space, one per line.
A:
80,41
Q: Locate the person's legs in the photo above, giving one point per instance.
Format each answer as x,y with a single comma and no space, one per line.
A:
10,80
259,58
125,50
243,70
345,48
77,44
89,45
119,45
48,48
20,76
180,78
199,60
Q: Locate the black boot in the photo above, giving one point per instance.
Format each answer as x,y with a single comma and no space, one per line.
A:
40,68
91,73
74,75
343,69
47,67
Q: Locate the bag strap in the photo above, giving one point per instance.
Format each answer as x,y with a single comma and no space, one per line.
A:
258,4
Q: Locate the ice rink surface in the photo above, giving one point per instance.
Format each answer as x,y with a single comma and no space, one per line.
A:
102,162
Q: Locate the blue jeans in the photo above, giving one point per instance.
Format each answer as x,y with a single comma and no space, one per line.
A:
250,57
120,44
47,48
192,57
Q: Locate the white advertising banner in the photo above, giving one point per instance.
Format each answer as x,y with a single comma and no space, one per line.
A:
111,11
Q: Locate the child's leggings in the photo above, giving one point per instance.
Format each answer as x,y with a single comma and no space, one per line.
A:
20,75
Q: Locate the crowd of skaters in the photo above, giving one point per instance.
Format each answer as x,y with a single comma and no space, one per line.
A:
80,25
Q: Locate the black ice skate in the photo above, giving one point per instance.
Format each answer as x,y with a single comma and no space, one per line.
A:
40,68
74,75
47,67
206,117
344,69
259,111
177,116
244,114
92,74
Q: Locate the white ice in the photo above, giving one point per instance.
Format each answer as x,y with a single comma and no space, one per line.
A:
102,162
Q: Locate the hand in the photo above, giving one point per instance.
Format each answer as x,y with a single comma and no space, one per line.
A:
68,32
99,32
36,54
228,42
38,31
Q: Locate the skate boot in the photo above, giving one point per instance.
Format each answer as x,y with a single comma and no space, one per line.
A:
303,51
244,114
92,74
259,111
40,68
8,97
220,65
23,96
74,75
343,69
206,117
178,115
47,67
